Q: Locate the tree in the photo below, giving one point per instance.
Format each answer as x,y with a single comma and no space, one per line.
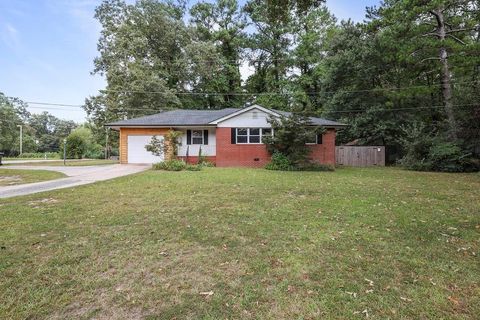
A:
141,51
79,142
270,49
311,29
49,131
277,24
167,146
223,24
435,34
292,133
12,113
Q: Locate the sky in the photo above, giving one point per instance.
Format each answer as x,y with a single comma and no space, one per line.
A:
47,49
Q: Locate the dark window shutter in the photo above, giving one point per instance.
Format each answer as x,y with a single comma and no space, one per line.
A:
319,138
205,136
234,135
189,136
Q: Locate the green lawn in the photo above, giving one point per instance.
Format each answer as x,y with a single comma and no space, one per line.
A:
246,244
68,163
10,177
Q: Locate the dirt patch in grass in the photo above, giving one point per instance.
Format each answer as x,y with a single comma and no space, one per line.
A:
10,177
10,180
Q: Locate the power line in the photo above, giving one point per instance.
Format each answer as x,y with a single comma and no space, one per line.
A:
280,93
332,111
54,104
47,108
400,109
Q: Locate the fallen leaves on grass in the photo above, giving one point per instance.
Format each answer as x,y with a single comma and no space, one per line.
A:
370,282
454,300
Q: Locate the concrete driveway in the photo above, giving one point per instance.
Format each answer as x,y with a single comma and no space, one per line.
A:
76,176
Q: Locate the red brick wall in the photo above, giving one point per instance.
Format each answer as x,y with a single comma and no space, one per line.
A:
194,159
325,152
244,155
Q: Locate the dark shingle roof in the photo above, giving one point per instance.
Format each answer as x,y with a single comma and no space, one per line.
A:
180,117
314,120
184,117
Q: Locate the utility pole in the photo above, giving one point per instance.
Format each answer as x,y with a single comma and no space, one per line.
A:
106,143
21,138
64,151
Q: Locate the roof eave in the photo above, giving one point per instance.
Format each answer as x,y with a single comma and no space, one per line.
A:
158,125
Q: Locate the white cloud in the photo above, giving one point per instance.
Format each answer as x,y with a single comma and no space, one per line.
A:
10,36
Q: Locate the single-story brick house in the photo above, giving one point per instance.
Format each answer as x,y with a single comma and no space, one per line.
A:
229,137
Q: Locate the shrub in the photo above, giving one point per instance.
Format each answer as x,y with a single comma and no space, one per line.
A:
426,151
95,151
280,162
76,146
292,133
79,142
170,165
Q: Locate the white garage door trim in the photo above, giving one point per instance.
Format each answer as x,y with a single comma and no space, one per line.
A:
137,152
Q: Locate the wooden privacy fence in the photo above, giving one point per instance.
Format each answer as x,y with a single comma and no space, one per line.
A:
360,156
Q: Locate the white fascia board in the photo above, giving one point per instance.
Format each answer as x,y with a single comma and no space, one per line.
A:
239,112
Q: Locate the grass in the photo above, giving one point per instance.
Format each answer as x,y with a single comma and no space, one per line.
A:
246,244
10,177
74,163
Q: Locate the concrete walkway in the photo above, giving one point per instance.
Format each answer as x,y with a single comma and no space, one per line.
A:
76,176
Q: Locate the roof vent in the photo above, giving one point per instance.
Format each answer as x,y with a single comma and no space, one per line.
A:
254,115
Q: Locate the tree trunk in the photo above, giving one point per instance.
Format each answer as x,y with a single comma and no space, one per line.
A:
446,75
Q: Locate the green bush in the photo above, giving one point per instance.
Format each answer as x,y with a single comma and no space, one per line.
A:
292,134
281,162
79,143
425,151
95,151
76,146
170,165
176,165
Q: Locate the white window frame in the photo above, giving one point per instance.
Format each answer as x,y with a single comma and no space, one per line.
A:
316,140
202,137
260,135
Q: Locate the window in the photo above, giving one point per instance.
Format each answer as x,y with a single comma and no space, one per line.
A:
266,131
252,135
242,135
313,139
197,136
316,139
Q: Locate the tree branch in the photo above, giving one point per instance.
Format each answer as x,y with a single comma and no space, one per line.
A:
461,29
428,59
434,34
437,16
456,39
